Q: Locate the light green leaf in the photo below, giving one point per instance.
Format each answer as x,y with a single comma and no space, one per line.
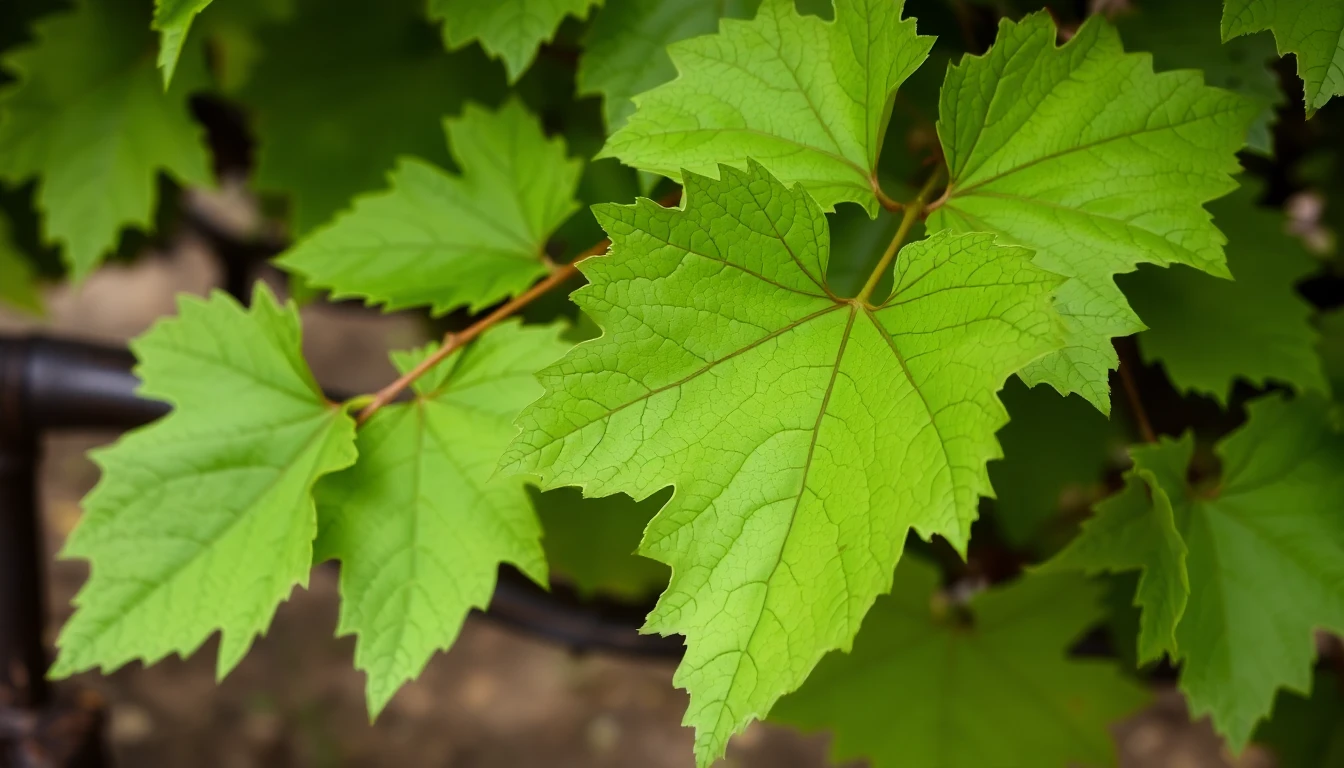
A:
419,525
1210,332
1135,530
1265,557
1083,154
172,20
1183,34
204,520
930,684
439,240
18,284
511,30
592,542
90,120
804,434
625,51
1313,30
808,98
345,88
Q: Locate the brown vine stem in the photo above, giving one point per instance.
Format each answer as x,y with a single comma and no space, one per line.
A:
454,341
913,210
1135,404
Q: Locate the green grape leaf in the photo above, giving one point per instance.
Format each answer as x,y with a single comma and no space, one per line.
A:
90,120
439,240
1210,332
625,51
345,88
205,520
18,284
1083,154
1331,349
419,525
989,683
1313,30
805,434
1135,530
1048,469
1264,563
1184,34
511,30
808,98
592,542
172,20
1307,733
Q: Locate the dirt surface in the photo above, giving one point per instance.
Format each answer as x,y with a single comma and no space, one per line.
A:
498,700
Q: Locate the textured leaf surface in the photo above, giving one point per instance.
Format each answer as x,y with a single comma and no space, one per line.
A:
927,685
441,240
419,524
204,520
808,98
90,120
345,88
804,434
1247,629
18,286
1184,34
625,51
592,542
511,30
1083,154
1313,30
1209,333
172,19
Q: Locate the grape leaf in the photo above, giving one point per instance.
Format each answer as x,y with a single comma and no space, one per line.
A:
593,541
418,524
511,30
805,434
625,50
172,20
345,88
808,98
444,241
1247,628
204,520
1331,349
1184,34
1313,30
987,684
1307,733
1083,154
1209,332
1135,530
18,284
1046,470
90,119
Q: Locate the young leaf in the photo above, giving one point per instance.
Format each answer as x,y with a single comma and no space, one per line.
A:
1135,530
90,119
1246,630
419,525
18,284
625,51
172,20
1083,154
808,98
1210,332
204,520
511,30
804,434
345,88
1183,34
928,685
593,541
1313,30
440,240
